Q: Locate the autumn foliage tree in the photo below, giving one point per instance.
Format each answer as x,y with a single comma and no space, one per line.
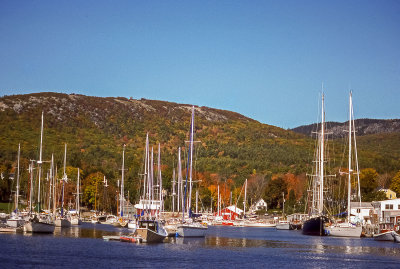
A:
395,185
91,188
369,184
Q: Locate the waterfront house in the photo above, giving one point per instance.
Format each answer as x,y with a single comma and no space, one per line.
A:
259,205
229,213
388,214
389,193
361,212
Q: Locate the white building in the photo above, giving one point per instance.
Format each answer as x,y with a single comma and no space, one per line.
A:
388,214
260,205
387,208
361,213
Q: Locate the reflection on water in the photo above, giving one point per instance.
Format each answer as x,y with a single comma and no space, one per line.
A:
261,246
89,230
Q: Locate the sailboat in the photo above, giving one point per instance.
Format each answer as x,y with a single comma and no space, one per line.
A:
149,228
36,222
347,229
76,218
122,220
62,220
189,228
16,220
283,224
316,224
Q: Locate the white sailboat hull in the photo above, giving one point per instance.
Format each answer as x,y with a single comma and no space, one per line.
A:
259,224
15,222
344,231
191,230
76,221
39,227
283,226
62,223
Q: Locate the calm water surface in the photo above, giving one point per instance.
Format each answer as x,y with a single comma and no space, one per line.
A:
223,247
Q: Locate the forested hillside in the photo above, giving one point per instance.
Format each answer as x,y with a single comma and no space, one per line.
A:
230,147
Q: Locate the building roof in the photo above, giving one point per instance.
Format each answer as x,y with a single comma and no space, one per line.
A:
363,204
235,209
385,190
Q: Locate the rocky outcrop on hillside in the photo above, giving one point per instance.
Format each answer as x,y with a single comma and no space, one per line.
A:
363,127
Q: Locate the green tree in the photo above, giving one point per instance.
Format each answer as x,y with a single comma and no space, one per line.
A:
92,188
395,185
368,183
374,196
290,203
273,192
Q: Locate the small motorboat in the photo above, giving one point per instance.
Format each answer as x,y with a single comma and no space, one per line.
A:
385,236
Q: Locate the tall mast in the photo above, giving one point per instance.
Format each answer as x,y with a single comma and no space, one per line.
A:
146,179
17,193
55,200
146,154
197,198
218,203
51,184
191,159
159,177
349,167
173,191
40,162
31,187
77,195
151,180
180,192
63,181
245,197
41,141
122,184
321,160
189,166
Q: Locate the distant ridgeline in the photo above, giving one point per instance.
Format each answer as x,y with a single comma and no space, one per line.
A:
363,127
229,147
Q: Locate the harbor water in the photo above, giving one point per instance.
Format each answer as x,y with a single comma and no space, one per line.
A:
223,247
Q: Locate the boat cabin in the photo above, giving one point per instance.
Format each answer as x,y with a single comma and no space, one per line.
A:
148,224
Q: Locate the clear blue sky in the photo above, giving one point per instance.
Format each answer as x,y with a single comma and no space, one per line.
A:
263,59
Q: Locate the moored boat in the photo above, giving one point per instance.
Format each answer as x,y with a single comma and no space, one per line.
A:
385,236
15,221
396,237
283,225
62,222
315,226
344,230
35,225
171,229
151,231
348,229
259,224
192,230
7,230
76,221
